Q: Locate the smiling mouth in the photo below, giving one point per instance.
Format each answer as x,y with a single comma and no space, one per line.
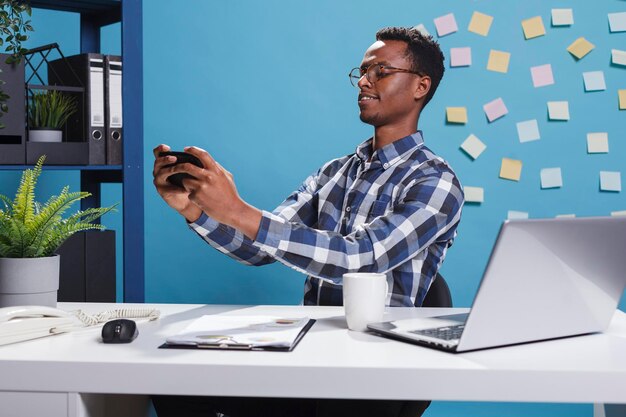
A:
364,99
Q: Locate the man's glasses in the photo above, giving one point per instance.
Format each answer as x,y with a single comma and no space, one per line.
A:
375,72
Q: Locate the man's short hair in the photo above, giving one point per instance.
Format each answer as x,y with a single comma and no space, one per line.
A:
423,52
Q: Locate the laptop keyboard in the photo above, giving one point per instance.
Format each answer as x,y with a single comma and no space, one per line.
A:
443,333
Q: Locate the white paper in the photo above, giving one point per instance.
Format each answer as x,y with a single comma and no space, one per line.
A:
562,17
516,215
528,131
598,142
558,110
610,181
594,81
473,146
243,330
618,213
474,194
618,57
617,22
565,216
422,29
551,178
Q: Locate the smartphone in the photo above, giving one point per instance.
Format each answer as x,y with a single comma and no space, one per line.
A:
181,157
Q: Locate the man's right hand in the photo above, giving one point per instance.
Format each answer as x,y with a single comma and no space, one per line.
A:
175,197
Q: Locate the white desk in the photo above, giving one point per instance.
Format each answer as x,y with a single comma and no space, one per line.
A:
329,362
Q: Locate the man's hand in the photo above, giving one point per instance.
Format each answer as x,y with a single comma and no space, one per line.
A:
213,191
175,197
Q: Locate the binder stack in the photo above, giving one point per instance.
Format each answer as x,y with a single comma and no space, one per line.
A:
113,106
87,124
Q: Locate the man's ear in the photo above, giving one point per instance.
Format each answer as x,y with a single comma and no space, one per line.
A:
422,88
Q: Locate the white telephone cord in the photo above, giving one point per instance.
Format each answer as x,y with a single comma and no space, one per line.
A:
104,316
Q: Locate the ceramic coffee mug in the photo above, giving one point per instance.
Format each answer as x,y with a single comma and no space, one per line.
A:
364,296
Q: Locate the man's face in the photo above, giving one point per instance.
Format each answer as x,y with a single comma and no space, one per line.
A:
391,99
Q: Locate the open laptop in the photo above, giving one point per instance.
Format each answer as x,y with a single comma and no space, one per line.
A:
545,279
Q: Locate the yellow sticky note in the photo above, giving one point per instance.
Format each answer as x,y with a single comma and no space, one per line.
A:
533,27
622,99
511,169
456,114
580,47
498,61
480,23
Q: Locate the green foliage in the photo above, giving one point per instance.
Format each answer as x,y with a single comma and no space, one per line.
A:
13,31
30,230
50,109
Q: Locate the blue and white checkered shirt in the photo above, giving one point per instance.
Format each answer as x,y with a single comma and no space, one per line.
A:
393,211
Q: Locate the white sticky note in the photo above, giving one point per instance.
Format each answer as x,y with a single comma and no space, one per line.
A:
495,109
542,75
422,29
598,142
618,213
473,146
551,178
474,194
528,131
516,215
558,110
594,81
617,22
461,57
618,57
611,181
558,216
562,17
446,25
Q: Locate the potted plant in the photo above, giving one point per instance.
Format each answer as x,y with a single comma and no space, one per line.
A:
13,29
30,233
48,112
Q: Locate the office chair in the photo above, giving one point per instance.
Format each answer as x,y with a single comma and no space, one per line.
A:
438,294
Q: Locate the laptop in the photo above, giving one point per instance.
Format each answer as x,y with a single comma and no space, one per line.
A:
545,279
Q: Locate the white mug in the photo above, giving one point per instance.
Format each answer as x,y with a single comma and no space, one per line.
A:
364,296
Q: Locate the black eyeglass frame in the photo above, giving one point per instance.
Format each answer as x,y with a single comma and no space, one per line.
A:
356,77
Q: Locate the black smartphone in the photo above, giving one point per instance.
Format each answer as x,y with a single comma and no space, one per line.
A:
181,157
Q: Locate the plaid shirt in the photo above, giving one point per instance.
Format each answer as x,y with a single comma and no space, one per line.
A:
393,211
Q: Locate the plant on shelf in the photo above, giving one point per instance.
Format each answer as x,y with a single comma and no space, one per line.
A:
30,233
13,29
48,111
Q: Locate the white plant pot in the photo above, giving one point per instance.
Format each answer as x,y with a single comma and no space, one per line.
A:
45,135
29,281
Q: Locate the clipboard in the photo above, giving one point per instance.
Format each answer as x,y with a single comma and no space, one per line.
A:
243,333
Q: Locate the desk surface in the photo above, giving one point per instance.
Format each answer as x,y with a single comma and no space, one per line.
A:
329,362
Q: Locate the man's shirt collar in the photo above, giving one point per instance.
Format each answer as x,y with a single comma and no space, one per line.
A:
390,154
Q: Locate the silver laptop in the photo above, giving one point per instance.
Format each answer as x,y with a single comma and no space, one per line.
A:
545,279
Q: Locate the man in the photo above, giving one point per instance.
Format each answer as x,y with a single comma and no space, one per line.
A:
391,207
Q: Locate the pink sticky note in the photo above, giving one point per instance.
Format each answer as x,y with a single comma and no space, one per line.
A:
446,25
542,75
460,57
495,109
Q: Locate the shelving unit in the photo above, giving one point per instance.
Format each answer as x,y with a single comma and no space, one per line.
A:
93,15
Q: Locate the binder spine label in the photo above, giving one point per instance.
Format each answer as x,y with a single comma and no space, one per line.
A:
115,98
96,85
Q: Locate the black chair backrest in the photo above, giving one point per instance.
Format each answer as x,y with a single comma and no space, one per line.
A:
438,294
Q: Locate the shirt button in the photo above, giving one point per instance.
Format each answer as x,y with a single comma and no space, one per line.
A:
385,165
348,209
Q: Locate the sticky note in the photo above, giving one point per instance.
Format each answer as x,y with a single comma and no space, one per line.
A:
621,95
473,146
594,81
456,114
580,47
618,213
533,27
474,194
562,17
460,57
422,29
498,61
551,178
511,169
480,23
617,22
610,181
618,57
516,215
495,109
598,142
542,75
528,131
446,25
558,216
558,110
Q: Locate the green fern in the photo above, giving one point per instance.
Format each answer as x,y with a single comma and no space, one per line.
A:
29,229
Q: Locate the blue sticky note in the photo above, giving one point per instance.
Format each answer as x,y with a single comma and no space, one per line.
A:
594,81
617,22
551,178
528,130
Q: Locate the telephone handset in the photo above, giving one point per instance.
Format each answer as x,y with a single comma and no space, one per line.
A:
30,322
